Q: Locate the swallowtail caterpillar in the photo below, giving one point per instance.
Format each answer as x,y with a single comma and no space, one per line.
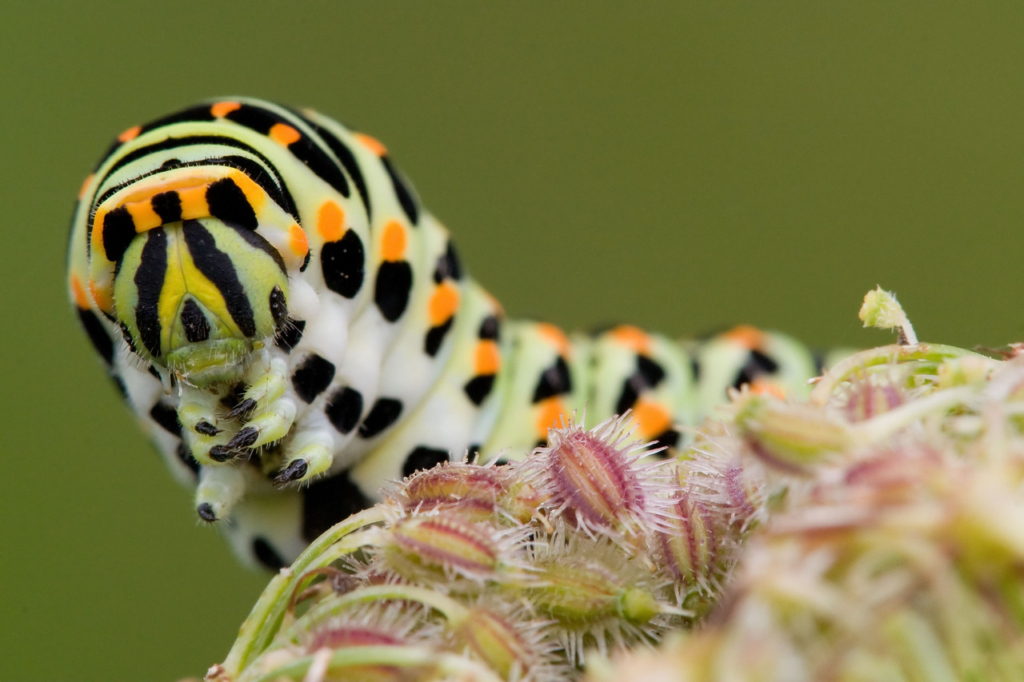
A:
293,330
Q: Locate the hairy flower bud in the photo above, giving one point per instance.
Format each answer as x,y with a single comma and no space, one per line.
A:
445,542
790,436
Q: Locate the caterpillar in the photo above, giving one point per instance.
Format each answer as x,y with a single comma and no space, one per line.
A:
293,330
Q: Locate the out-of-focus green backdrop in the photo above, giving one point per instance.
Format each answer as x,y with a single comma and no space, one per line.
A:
680,167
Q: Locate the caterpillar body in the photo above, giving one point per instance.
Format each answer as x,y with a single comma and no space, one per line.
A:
293,330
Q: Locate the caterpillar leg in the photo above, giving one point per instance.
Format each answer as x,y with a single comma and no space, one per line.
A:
310,454
205,433
220,488
268,412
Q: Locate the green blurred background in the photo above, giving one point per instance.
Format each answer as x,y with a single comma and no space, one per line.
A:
683,168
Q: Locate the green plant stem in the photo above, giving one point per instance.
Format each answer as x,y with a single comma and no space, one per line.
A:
453,612
265,618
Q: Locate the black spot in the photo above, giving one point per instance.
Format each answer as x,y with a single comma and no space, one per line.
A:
218,267
668,438
305,261
170,164
628,397
347,159
344,264
149,280
423,458
167,205
435,336
227,202
757,364
555,380
167,418
479,387
185,455
152,370
383,414
490,328
118,233
652,372
695,368
312,377
473,451
402,191
126,334
448,266
289,334
99,337
648,374
819,361
266,556
394,284
196,326
278,306
327,501
304,149
541,443
344,409
256,240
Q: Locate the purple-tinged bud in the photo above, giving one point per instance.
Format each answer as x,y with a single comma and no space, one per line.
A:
498,643
871,396
470,490
446,542
790,437
687,548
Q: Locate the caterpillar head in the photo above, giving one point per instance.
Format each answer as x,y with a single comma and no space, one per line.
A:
195,288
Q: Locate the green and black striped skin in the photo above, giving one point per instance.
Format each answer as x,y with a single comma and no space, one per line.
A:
293,330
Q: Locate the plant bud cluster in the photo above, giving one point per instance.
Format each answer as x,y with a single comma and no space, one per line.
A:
897,551
510,572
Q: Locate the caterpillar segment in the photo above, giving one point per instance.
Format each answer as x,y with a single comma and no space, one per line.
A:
293,330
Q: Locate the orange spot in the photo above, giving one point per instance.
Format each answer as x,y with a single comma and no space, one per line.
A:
443,304
297,241
146,189
749,337
85,186
632,337
762,386
554,336
284,134
652,418
392,245
488,357
222,109
130,134
371,143
330,220
193,202
78,293
101,296
548,415
143,215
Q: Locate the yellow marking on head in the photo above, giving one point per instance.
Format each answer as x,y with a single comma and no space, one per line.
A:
78,293
330,221
222,109
297,241
443,303
284,134
143,215
183,277
749,337
392,245
193,202
130,134
652,418
488,357
555,336
764,386
104,301
371,143
549,412
632,337
85,186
